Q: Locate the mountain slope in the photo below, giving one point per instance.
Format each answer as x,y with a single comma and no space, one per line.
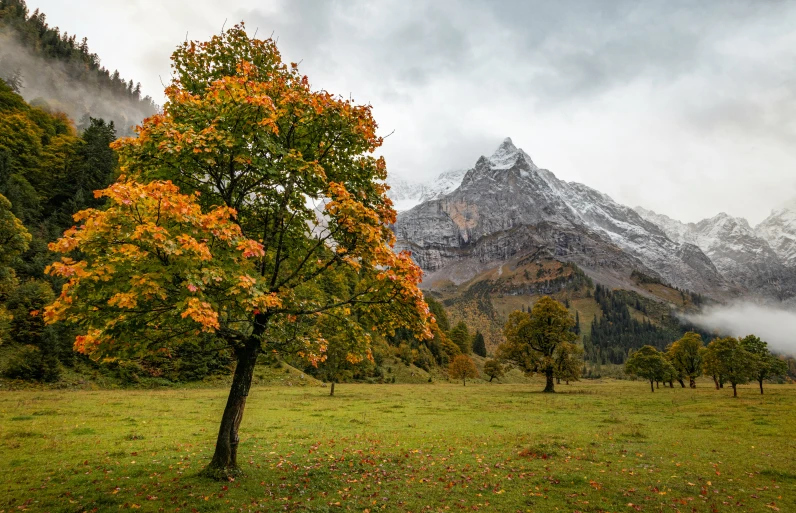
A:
737,250
407,194
507,206
779,230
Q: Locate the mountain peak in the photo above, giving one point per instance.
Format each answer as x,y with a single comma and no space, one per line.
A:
507,156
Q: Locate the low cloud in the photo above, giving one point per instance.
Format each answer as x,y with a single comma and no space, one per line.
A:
69,88
774,325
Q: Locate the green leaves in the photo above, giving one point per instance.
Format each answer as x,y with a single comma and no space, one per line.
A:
535,340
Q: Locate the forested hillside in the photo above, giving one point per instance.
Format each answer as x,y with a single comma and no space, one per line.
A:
49,171
57,71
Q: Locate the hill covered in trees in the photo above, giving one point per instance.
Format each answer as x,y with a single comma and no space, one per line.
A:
56,70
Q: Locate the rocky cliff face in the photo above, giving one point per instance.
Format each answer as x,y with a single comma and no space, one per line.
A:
742,254
507,206
779,230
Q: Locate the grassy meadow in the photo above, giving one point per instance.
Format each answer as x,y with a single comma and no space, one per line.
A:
593,447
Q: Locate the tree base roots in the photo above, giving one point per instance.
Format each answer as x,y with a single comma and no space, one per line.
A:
222,473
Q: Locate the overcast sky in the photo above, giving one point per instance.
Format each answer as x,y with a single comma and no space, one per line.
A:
686,108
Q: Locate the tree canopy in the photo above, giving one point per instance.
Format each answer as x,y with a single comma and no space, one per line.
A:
534,339
649,363
686,357
252,208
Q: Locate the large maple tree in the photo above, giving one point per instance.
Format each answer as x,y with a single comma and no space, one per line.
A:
252,210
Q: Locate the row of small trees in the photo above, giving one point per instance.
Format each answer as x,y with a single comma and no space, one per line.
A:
727,360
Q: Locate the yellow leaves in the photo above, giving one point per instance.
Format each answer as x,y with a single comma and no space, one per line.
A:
246,282
200,249
201,312
87,344
250,248
123,300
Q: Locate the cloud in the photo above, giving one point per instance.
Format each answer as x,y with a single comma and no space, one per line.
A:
774,325
684,107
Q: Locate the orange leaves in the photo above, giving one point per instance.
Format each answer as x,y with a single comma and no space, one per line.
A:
87,344
251,248
123,300
154,251
201,312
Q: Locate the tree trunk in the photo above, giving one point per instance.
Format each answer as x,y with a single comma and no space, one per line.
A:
464,381
657,384
549,387
652,386
491,378
761,386
224,464
734,391
691,382
671,384
331,392
721,383
680,380
558,381
716,381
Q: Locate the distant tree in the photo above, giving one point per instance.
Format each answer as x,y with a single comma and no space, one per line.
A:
686,357
566,302
533,339
648,363
568,362
576,328
343,357
768,365
711,366
479,346
728,358
460,336
462,367
494,369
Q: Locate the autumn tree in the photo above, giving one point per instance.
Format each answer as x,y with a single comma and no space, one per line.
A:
568,362
253,209
686,357
768,365
494,369
648,363
533,340
727,358
479,345
462,367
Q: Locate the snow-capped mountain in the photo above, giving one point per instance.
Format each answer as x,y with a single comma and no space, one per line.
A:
779,230
406,194
737,250
506,206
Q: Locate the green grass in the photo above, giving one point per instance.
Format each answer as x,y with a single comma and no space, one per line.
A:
595,446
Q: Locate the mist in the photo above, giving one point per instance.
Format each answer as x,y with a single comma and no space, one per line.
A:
56,87
774,325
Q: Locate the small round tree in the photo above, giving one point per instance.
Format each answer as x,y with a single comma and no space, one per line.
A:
686,356
534,339
731,361
768,365
462,367
494,369
648,363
